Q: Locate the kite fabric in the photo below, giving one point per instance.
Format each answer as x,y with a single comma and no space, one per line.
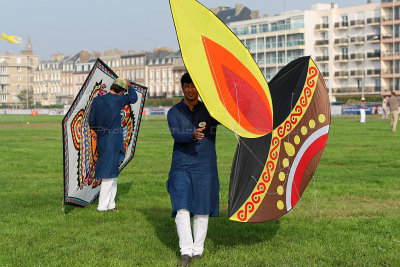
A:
219,64
11,38
81,187
282,126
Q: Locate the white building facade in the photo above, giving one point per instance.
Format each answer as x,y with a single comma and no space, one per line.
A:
345,43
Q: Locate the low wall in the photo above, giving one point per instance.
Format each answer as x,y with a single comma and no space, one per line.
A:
335,110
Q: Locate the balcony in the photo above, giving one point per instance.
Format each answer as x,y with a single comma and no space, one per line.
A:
389,3
373,90
390,55
322,27
295,43
357,40
373,38
375,54
341,74
390,73
372,73
342,41
341,57
357,56
322,58
388,20
341,25
356,73
325,74
357,23
374,20
321,42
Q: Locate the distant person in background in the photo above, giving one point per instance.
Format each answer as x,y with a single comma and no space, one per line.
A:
385,108
105,120
363,107
393,105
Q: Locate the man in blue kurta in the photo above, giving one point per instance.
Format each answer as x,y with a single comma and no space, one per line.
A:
193,182
105,120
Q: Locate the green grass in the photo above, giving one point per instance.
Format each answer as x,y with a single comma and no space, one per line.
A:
357,220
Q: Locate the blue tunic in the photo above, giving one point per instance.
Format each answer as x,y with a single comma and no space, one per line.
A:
105,119
193,180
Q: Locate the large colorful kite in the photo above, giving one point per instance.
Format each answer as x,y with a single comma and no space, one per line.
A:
81,187
282,127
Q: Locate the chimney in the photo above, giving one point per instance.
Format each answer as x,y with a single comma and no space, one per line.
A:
84,56
56,57
238,9
255,14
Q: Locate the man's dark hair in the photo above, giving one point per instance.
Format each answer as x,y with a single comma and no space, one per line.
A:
393,93
116,88
186,78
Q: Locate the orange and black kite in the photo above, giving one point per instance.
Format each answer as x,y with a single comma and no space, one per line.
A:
282,126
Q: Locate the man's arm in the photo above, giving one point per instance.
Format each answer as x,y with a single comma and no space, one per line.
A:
179,135
131,97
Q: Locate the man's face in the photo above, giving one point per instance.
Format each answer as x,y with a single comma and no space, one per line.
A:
190,92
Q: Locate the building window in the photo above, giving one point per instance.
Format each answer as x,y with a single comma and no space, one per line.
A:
19,69
19,78
18,60
345,51
253,29
264,28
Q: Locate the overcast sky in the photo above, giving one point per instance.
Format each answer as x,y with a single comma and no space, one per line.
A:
68,26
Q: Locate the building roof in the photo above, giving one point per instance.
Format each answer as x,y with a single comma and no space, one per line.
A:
238,13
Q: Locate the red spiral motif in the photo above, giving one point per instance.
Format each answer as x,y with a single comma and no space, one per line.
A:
307,92
313,72
297,111
255,197
242,216
282,129
273,153
270,167
303,101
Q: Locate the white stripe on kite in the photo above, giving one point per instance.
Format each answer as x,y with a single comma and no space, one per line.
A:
317,134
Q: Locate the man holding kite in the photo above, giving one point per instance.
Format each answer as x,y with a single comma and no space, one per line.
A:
193,182
105,120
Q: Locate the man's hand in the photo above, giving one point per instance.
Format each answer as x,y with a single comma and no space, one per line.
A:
197,134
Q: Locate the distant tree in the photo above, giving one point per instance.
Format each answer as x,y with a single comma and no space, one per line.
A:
23,95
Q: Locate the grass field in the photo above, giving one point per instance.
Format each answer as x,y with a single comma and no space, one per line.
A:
356,220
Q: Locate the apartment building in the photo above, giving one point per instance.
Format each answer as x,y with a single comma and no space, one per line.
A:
58,81
133,67
390,44
162,74
47,80
344,42
16,74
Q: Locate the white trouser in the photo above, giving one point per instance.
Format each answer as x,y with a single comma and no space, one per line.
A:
200,226
108,190
362,113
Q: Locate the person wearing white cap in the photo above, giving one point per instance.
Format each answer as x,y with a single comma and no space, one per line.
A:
363,107
105,120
